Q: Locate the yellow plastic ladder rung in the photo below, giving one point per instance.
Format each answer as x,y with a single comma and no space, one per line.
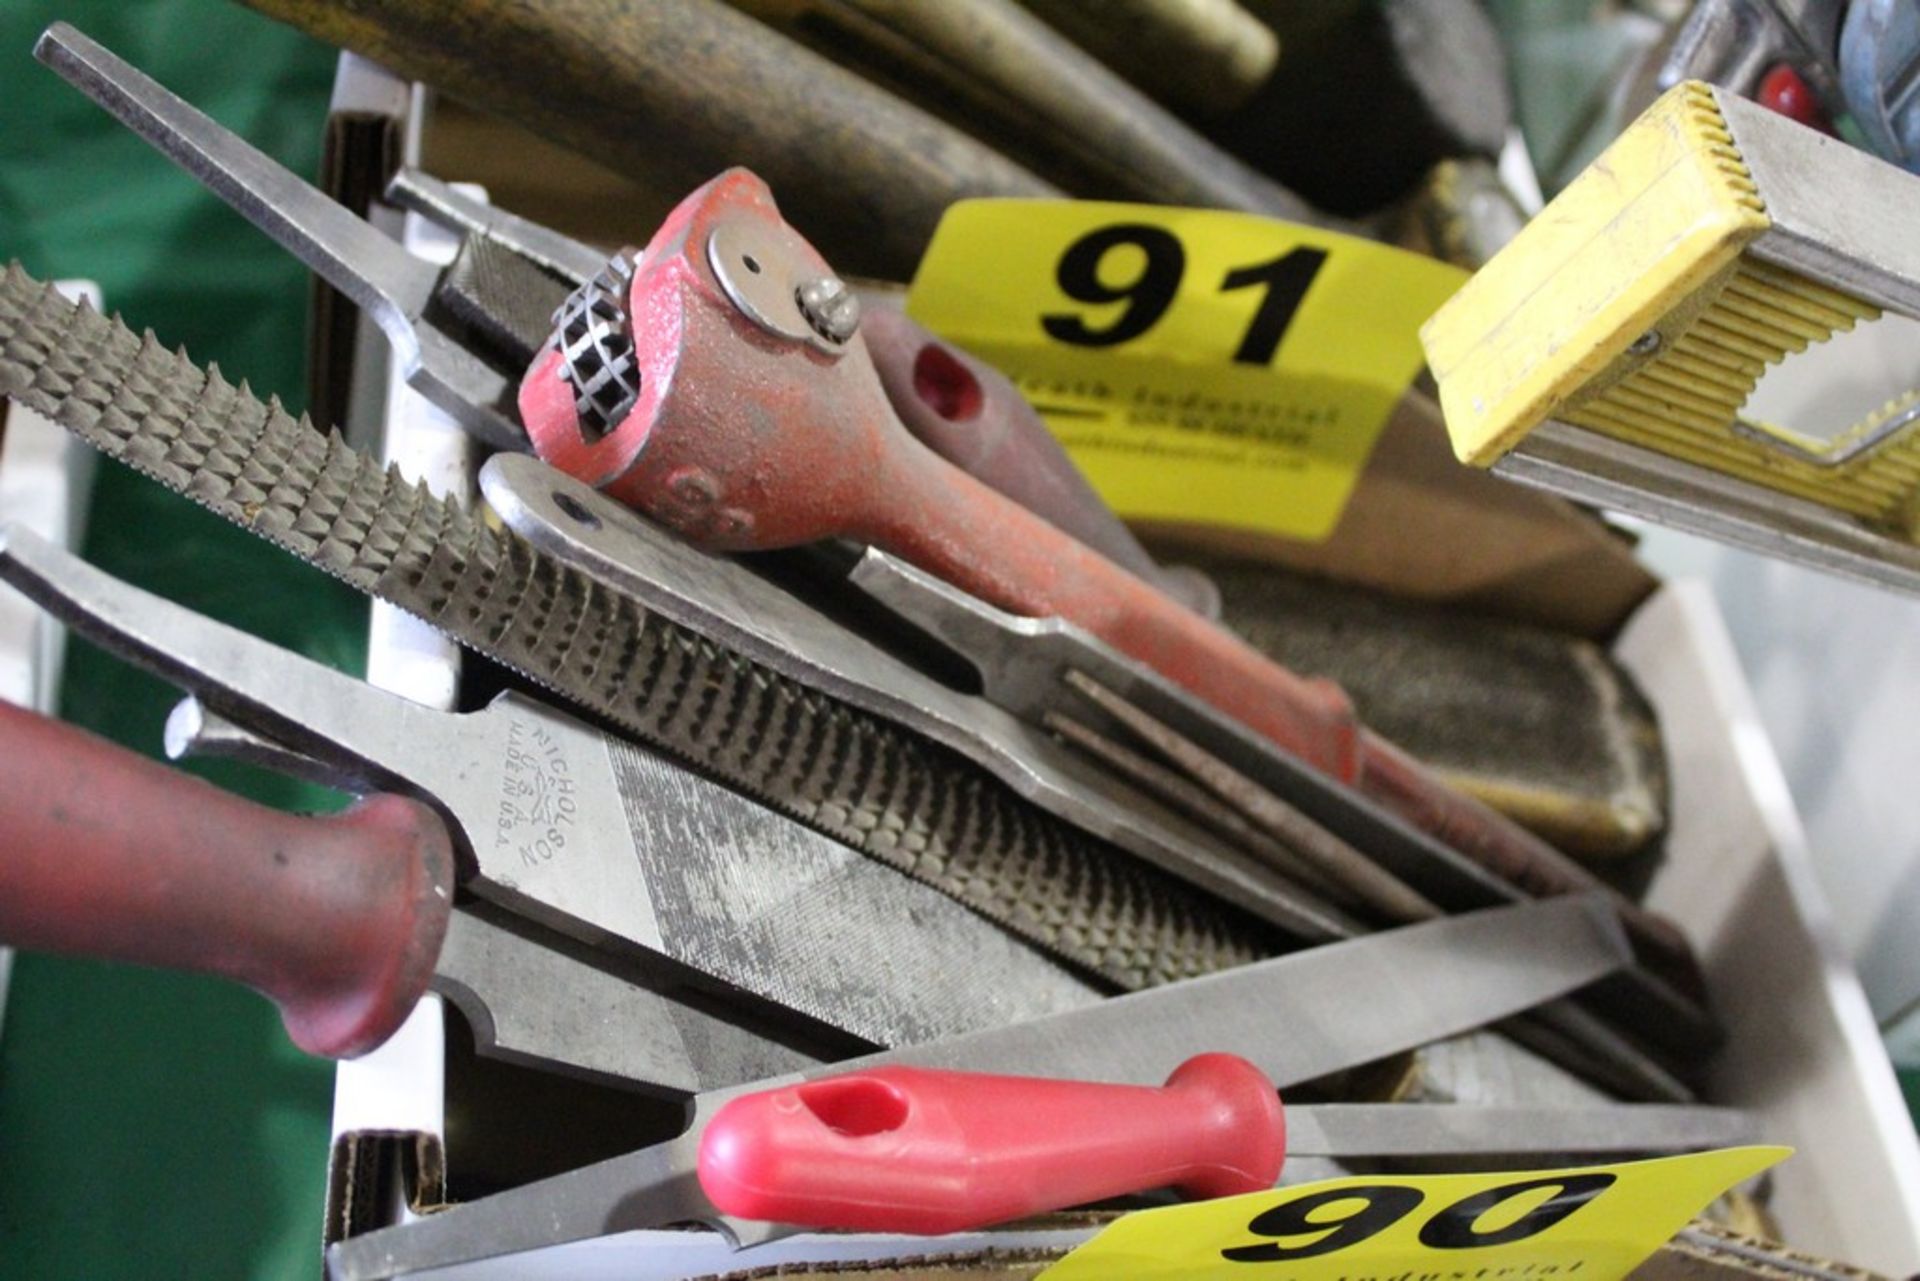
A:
1773,319
1713,329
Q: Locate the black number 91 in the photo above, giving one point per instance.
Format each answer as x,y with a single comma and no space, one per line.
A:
1382,1205
1149,294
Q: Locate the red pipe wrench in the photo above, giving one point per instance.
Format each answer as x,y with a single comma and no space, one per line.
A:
719,384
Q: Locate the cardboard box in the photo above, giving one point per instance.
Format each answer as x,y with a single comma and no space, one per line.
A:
1804,1055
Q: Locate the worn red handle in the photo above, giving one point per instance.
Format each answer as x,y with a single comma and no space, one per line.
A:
973,416
105,853
744,440
914,1150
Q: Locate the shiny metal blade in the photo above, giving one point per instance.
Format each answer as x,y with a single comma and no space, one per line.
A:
195,730
1321,1010
536,1000
1557,1133
657,1195
861,779
1033,666
360,262
390,284
657,1186
1297,1017
1022,664
720,598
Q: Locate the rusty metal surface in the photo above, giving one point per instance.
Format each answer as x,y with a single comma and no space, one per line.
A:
811,630
1179,792
152,408
508,290
313,227
725,600
1382,892
745,442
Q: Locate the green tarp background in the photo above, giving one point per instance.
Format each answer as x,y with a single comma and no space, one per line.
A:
156,1126
153,1126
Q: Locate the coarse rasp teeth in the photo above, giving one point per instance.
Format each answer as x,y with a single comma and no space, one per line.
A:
859,778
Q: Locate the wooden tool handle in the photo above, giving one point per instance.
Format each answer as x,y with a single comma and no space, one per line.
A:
1203,58
676,90
337,920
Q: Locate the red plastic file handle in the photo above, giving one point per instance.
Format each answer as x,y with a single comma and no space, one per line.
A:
107,854
914,1150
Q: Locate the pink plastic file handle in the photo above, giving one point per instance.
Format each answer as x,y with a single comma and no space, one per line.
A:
929,1152
107,854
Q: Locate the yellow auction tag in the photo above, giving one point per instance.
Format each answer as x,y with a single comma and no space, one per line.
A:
1594,1223
1199,365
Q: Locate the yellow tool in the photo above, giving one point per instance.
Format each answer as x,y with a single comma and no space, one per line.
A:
1607,351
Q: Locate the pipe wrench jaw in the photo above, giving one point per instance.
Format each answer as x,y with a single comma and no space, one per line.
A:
597,352
760,420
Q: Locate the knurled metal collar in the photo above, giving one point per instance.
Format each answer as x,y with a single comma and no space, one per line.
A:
595,340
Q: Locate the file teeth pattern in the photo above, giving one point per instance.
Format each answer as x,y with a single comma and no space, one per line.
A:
863,780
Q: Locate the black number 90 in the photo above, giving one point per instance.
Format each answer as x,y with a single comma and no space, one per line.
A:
1383,1205
1151,292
